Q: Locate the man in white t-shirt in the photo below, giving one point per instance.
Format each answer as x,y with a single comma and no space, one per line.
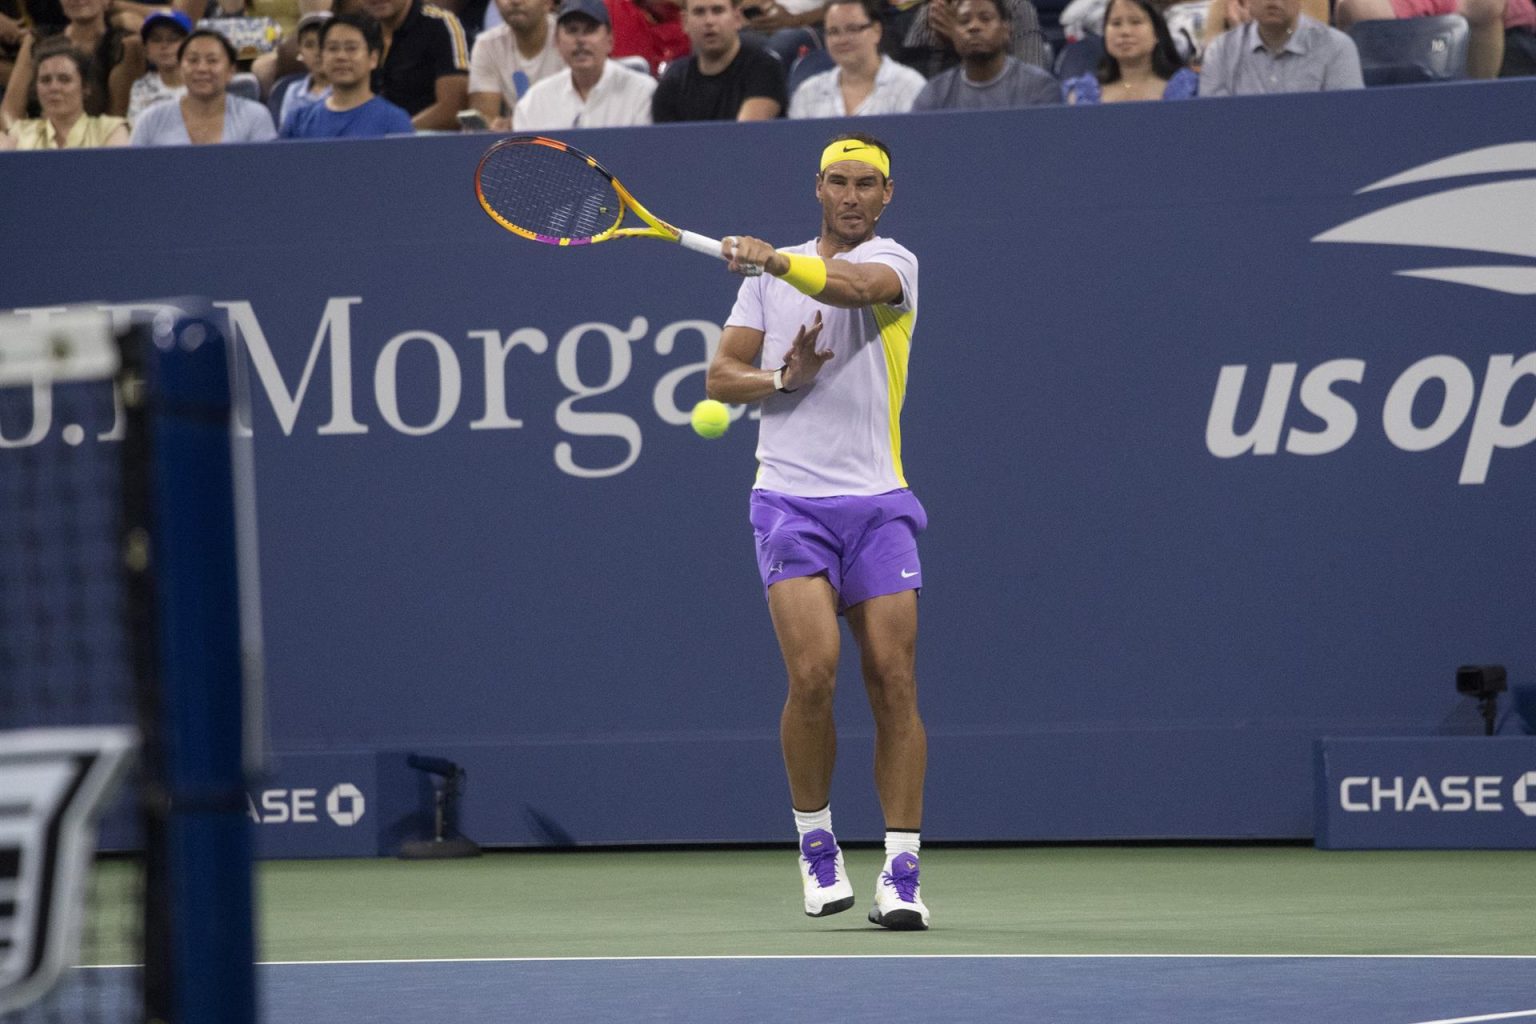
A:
593,91
509,58
820,336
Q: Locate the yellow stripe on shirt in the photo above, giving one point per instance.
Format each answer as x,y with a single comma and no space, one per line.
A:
896,342
455,30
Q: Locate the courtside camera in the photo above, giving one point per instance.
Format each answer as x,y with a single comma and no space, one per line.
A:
1481,680
1484,683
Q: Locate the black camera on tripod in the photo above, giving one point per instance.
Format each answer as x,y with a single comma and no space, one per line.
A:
1483,683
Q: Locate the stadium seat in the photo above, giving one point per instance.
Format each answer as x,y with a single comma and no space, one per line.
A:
1079,58
1406,50
806,65
634,62
244,84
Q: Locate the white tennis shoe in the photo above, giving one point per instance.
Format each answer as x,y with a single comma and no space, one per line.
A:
899,896
827,889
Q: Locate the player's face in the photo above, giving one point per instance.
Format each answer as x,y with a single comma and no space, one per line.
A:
1128,32
346,58
853,196
160,45
851,36
205,68
712,25
523,14
584,43
980,30
60,92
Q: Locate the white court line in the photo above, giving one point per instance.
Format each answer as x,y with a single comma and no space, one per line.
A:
906,956
919,956
1490,1016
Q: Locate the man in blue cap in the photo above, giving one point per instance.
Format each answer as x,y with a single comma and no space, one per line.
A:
593,91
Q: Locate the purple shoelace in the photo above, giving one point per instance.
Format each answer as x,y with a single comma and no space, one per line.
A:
820,851
903,877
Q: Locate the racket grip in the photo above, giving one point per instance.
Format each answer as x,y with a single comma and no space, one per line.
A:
701,243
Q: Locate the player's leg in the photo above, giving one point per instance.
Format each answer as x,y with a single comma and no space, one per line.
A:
885,628
886,631
804,611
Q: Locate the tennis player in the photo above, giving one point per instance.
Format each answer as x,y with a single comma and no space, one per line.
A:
820,335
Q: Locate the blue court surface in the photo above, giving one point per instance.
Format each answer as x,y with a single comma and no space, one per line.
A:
1038,989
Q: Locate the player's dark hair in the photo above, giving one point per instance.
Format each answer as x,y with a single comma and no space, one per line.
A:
373,35
867,139
1165,55
208,33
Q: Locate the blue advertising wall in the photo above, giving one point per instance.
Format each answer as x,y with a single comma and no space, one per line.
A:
1204,486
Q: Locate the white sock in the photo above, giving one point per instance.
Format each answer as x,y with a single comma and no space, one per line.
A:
900,841
810,821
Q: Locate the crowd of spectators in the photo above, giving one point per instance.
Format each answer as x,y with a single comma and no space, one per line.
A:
78,73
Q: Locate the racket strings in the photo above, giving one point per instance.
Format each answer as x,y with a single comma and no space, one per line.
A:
549,192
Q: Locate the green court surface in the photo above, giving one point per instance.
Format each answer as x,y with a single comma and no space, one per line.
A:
1278,900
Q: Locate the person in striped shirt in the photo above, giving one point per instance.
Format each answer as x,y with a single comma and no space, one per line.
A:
426,61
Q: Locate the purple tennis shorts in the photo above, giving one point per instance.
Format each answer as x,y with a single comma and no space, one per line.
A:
865,545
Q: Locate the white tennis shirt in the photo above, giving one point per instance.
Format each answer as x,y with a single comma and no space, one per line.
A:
840,434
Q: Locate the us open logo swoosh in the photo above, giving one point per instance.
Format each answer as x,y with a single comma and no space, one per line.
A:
1497,218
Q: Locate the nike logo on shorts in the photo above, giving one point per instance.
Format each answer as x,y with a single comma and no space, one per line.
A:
907,575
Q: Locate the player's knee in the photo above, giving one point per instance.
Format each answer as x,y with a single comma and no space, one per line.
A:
812,683
892,690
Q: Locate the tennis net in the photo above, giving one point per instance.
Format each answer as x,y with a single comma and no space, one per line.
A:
119,633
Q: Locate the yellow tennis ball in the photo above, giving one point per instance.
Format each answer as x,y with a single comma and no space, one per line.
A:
710,418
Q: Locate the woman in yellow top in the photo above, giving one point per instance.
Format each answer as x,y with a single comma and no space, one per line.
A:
60,78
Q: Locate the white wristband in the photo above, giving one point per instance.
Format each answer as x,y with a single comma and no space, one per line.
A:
778,382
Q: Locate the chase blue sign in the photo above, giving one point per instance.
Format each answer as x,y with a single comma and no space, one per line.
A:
1441,792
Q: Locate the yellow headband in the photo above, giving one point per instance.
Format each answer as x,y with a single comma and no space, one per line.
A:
853,149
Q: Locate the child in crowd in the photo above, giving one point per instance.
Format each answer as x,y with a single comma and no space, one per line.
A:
162,33
293,93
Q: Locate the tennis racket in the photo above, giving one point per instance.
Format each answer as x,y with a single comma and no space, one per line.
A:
554,193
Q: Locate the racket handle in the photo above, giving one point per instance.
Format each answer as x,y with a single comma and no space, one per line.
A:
701,243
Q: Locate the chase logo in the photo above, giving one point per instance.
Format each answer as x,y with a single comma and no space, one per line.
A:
345,804
1494,218
1524,794
1397,794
